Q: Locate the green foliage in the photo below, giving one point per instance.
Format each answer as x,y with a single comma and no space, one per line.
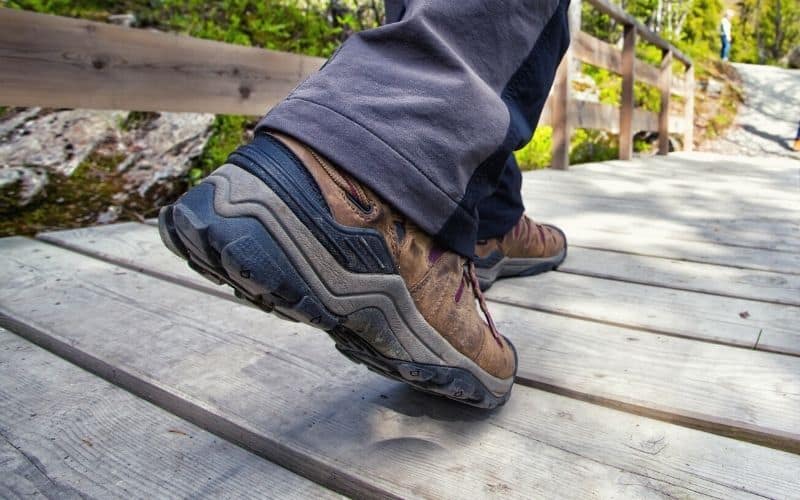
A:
585,146
765,30
592,145
228,132
538,153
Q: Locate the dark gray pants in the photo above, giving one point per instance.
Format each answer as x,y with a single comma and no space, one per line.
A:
426,110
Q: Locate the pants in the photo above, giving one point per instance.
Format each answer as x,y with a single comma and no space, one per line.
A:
427,109
725,51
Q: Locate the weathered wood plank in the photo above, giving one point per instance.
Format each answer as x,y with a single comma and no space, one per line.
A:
737,392
139,247
205,358
67,433
60,62
668,218
629,359
718,280
596,52
675,312
671,311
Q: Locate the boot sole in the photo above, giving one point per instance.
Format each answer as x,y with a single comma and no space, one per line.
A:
239,232
509,267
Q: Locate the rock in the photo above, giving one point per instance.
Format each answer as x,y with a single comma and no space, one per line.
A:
793,58
10,123
58,141
164,149
19,186
126,20
110,215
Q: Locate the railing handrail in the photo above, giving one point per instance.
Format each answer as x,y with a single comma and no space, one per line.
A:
626,19
55,61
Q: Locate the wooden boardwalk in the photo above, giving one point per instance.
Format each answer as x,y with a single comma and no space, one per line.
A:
661,360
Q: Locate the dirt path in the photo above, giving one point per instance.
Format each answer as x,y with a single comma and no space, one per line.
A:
767,122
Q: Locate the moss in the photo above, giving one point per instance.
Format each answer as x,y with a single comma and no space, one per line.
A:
3,110
137,119
73,201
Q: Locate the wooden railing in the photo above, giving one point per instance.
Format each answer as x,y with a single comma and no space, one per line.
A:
564,113
61,62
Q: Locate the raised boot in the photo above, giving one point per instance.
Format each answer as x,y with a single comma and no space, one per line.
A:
297,236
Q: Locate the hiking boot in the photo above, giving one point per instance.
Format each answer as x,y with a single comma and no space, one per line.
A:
299,237
528,249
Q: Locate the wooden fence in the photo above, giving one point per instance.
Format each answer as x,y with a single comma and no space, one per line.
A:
61,62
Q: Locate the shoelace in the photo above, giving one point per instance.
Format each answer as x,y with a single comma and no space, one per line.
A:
476,289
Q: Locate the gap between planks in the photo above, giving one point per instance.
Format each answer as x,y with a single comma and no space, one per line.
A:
159,258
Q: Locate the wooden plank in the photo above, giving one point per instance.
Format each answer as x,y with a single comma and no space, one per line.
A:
737,392
595,115
631,356
665,79
681,313
69,434
596,52
59,62
669,273
671,311
213,365
139,247
684,222
626,99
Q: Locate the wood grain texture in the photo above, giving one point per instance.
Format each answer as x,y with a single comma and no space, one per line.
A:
544,341
278,385
670,273
60,62
65,433
139,247
674,312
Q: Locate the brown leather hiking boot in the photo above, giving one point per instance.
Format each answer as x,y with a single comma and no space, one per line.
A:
528,249
299,237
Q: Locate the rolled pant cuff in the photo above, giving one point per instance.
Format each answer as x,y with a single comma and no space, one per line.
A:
372,161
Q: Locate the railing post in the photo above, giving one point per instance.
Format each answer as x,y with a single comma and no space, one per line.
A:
560,114
664,85
562,126
626,104
688,109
